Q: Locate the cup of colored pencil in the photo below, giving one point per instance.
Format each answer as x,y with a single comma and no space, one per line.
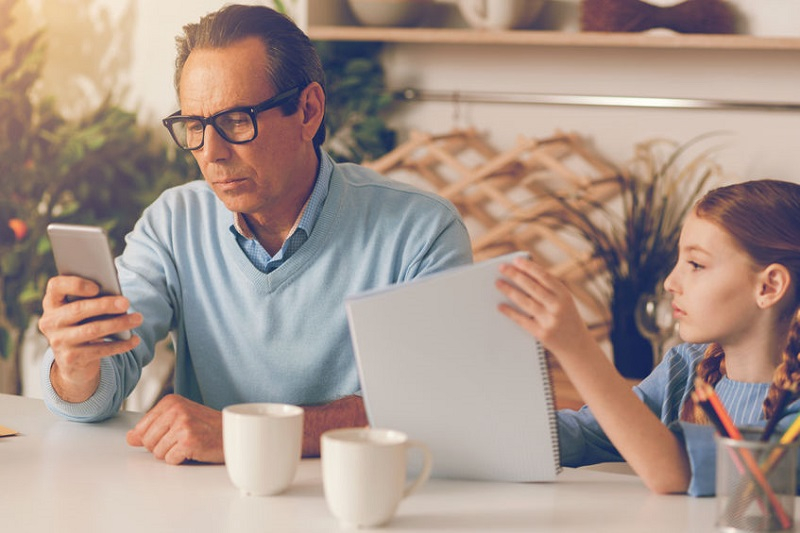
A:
749,496
756,474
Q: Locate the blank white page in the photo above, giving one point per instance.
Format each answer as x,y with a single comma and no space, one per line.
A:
439,362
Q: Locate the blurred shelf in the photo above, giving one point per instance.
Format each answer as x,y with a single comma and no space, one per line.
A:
553,38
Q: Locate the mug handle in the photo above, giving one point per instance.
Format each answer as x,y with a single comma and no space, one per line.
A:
427,464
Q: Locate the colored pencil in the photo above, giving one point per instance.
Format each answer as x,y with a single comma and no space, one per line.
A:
789,436
701,400
784,398
707,391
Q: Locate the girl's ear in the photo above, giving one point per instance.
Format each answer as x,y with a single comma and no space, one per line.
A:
774,282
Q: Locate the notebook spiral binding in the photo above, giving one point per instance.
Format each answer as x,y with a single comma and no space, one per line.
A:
547,371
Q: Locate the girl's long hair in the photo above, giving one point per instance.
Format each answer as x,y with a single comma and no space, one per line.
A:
763,217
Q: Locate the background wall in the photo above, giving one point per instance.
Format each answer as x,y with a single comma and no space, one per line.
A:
123,47
759,143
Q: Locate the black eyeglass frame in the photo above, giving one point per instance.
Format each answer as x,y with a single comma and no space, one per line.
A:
252,111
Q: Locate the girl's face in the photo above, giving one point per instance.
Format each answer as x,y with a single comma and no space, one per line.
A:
714,285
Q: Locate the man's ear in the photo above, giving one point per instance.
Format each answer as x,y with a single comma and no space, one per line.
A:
312,109
774,282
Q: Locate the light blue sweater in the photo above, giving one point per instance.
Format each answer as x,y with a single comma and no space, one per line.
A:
583,442
245,336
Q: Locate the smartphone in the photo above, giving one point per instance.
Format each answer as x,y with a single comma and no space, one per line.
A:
81,250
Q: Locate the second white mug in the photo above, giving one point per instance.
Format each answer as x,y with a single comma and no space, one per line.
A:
364,473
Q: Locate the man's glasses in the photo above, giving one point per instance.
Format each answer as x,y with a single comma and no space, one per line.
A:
237,125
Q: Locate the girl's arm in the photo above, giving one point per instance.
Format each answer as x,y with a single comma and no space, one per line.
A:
545,308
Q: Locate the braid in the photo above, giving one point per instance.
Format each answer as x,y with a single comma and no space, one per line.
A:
788,372
710,369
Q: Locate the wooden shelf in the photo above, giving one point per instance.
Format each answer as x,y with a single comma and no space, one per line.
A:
552,38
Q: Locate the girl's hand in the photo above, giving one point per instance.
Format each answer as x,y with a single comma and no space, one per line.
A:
544,307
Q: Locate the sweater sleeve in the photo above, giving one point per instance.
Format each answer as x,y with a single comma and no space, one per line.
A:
101,405
581,439
450,247
701,451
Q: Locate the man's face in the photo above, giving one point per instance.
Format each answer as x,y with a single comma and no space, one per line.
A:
261,176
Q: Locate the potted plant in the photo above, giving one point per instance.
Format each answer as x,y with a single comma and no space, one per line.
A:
636,237
357,101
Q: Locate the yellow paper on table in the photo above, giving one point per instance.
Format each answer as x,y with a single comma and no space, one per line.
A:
7,432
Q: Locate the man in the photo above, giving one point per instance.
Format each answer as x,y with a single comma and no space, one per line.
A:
248,269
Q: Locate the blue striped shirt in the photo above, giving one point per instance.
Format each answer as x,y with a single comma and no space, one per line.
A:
583,442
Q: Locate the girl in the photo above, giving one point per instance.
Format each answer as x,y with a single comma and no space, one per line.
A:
736,296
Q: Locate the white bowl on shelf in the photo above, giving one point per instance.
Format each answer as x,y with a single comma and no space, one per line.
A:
402,13
500,14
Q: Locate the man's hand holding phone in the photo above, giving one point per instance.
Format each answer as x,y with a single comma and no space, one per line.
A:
82,319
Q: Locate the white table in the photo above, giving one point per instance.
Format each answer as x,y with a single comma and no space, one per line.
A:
69,477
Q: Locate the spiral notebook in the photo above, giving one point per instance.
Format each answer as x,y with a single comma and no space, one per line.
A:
439,362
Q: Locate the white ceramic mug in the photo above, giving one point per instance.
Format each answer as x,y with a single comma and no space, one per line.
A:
364,473
499,14
262,443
